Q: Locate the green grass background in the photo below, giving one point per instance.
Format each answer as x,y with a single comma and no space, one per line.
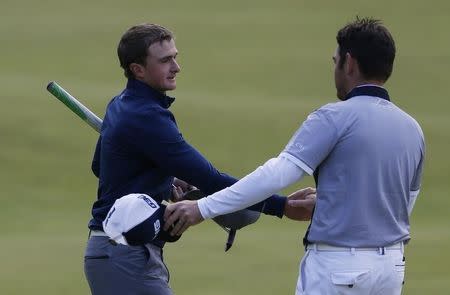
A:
251,72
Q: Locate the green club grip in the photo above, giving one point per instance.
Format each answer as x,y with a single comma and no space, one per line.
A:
75,106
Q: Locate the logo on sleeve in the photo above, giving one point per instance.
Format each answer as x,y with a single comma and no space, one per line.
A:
299,146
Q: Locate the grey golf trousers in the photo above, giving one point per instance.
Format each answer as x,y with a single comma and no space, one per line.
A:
119,269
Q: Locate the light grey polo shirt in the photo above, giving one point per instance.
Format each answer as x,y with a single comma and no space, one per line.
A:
367,156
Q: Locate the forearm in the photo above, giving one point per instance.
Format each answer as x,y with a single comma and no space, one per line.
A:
275,175
209,180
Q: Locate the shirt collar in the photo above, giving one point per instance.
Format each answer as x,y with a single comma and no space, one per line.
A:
141,89
368,90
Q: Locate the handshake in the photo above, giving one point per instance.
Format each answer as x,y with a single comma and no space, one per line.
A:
184,212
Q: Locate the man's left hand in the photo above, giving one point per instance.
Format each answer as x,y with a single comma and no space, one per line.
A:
181,215
300,204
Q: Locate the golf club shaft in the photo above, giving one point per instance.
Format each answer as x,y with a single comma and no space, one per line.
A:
77,107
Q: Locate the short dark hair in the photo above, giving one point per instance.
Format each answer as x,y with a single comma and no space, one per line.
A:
370,43
134,44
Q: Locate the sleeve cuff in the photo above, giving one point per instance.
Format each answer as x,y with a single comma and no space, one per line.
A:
203,208
297,162
274,206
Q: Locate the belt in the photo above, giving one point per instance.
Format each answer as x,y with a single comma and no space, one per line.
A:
330,248
97,233
100,233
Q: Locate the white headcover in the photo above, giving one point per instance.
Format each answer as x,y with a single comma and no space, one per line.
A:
128,212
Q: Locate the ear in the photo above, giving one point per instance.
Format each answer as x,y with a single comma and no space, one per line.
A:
137,70
350,65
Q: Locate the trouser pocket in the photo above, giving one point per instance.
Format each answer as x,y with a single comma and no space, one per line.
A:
400,270
355,280
301,282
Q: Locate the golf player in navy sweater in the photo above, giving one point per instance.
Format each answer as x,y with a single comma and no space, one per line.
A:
141,150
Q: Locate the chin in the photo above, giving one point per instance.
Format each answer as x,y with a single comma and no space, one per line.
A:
170,86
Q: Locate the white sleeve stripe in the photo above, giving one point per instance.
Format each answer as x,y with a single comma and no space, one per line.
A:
297,162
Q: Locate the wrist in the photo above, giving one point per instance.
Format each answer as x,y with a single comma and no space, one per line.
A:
203,208
201,218
275,205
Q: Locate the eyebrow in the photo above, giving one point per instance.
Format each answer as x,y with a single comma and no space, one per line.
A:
169,55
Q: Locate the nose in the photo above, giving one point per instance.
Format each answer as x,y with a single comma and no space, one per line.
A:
176,67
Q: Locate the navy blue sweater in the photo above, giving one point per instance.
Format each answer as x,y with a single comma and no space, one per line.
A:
140,150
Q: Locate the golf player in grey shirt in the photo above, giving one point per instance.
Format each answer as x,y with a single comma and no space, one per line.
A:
366,155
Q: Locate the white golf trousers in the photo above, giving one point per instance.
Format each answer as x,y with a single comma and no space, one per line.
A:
328,270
